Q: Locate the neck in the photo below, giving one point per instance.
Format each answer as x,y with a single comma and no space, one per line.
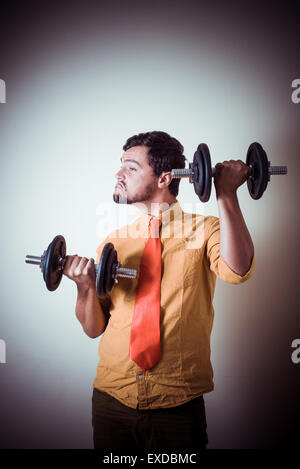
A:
155,207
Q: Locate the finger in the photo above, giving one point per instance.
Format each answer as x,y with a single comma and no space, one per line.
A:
78,268
90,263
89,267
70,264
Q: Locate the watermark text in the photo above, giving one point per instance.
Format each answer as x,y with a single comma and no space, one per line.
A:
2,91
152,458
296,353
296,93
186,224
2,351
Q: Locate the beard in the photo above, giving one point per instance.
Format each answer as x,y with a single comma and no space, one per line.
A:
122,198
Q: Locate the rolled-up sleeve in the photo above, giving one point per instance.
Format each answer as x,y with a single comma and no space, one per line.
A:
216,262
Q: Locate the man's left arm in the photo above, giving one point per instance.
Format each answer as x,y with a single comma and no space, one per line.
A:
236,246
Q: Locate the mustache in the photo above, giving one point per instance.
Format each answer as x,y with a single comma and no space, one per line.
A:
120,184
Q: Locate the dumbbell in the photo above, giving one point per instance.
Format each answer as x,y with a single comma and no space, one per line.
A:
53,260
200,172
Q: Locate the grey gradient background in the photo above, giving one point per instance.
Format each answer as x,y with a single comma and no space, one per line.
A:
80,78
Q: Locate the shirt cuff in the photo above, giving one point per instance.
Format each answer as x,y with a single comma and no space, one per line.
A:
228,275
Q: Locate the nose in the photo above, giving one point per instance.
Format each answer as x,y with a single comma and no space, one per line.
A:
119,175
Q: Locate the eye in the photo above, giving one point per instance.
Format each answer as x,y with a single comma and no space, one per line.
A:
132,169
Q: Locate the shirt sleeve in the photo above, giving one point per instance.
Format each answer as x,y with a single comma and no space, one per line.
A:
217,263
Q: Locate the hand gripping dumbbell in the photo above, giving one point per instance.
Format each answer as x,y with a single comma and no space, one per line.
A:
200,172
53,260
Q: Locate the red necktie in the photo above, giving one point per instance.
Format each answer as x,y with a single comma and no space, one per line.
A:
145,328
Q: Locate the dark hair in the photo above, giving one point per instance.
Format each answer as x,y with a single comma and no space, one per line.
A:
165,153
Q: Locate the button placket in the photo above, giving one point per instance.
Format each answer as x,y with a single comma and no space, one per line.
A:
141,388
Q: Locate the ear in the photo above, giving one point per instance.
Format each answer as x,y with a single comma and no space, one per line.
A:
164,179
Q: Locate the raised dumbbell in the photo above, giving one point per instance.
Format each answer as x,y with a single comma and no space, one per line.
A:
53,260
200,172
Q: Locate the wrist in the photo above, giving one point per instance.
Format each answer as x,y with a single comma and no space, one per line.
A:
226,195
86,289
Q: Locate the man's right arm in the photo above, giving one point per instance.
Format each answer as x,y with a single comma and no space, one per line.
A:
88,308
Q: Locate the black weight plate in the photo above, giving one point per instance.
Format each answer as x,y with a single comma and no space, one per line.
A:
257,158
111,263
204,151
102,269
52,273
198,170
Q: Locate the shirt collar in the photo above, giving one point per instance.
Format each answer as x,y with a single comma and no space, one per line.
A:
173,212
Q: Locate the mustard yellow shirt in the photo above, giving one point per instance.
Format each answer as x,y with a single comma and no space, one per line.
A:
190,263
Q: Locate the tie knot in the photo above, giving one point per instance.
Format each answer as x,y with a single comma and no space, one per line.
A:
155,224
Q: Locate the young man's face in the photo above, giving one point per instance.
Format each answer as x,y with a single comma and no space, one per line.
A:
136,179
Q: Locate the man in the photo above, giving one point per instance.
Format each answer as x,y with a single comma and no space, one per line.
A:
137,405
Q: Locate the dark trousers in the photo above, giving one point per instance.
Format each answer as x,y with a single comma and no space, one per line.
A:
116,426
